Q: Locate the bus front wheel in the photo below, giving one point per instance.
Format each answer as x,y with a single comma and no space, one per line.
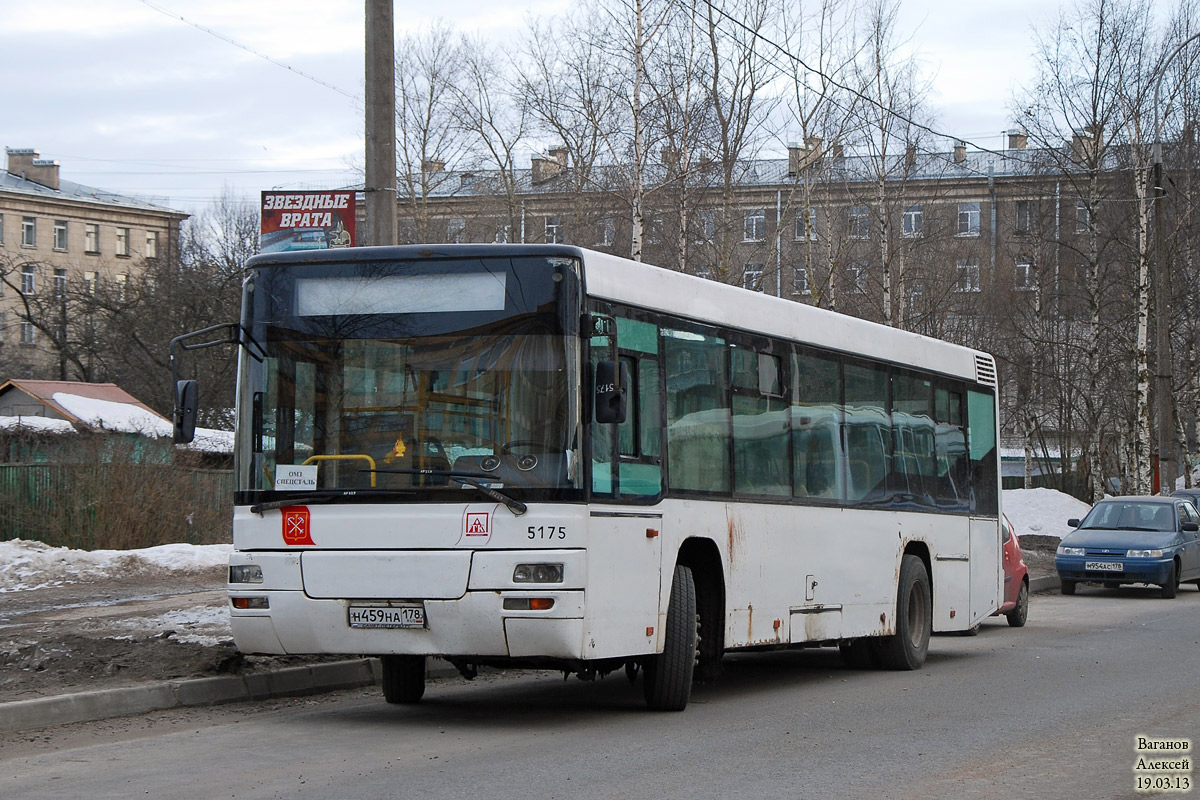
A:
403,678
668,675
907,647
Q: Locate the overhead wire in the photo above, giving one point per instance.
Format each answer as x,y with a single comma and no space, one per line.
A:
252,51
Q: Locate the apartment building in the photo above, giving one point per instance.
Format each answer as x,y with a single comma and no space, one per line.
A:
55,234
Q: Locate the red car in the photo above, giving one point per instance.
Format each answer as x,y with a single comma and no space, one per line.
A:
1016,578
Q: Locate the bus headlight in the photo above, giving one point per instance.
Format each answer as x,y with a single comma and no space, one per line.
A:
245,573
538,573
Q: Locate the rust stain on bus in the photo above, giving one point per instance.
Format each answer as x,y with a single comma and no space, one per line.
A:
734,538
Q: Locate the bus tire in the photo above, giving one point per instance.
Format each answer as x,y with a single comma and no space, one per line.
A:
907,647
668,675
403,679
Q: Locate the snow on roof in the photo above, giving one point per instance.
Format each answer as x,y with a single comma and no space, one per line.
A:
113,416
210,440
40,424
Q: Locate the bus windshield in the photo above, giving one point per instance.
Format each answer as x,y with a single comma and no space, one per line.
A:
419,380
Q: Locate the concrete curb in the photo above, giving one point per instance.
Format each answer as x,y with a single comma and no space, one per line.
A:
45,712
1045,583
90,706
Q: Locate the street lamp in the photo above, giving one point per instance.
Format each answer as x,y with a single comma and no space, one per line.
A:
1161,295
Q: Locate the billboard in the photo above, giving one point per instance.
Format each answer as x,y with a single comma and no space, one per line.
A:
306,220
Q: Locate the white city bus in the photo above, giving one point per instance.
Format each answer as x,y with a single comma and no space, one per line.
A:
542,456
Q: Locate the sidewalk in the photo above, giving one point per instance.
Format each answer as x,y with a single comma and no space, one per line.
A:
89,706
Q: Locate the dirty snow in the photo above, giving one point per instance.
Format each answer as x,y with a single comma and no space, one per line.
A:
27,565
1042,512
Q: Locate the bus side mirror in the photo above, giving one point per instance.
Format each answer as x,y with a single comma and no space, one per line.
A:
186,401
611,400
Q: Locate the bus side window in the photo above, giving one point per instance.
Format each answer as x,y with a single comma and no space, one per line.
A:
981,443
867,433
815,419
760,424
697,374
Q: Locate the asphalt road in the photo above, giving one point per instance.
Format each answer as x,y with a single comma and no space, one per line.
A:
1050,711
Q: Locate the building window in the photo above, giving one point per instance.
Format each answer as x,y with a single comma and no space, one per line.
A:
913,222
968,219
752,277
89,282
123,242
1,229
916,299
858,277
754,225
654,231
606,232
704,272
60,283
967,275
553,230
1083,218
455,229
122,281
501,236
860,222
708,224
91,238
28,279
151,244
28,334
1024,224
28,232
60,234
806,225
1023,276
800,283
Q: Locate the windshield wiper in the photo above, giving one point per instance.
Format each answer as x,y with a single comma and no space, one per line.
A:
325,496
471,479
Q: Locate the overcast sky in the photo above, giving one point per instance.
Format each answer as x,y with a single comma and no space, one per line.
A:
129,97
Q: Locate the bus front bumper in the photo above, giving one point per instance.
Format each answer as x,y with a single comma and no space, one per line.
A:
477,624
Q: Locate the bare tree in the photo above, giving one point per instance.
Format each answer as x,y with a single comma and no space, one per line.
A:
430,83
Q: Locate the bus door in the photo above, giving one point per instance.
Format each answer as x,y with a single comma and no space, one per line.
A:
625,531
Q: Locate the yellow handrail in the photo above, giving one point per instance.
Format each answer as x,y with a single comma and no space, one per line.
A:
349,457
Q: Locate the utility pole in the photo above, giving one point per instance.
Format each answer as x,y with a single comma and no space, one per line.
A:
380,184
1162,316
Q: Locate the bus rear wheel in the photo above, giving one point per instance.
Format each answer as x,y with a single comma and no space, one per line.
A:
403,679
668,675
907,647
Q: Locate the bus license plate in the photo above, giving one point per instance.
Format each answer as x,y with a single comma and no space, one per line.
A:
410,616
1104,566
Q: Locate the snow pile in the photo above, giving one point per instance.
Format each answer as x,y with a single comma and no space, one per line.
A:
1041,512
26,565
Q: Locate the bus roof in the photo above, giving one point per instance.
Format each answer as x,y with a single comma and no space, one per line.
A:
639,284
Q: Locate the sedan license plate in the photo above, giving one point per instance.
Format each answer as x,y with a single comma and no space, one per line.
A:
407,616
1104,566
